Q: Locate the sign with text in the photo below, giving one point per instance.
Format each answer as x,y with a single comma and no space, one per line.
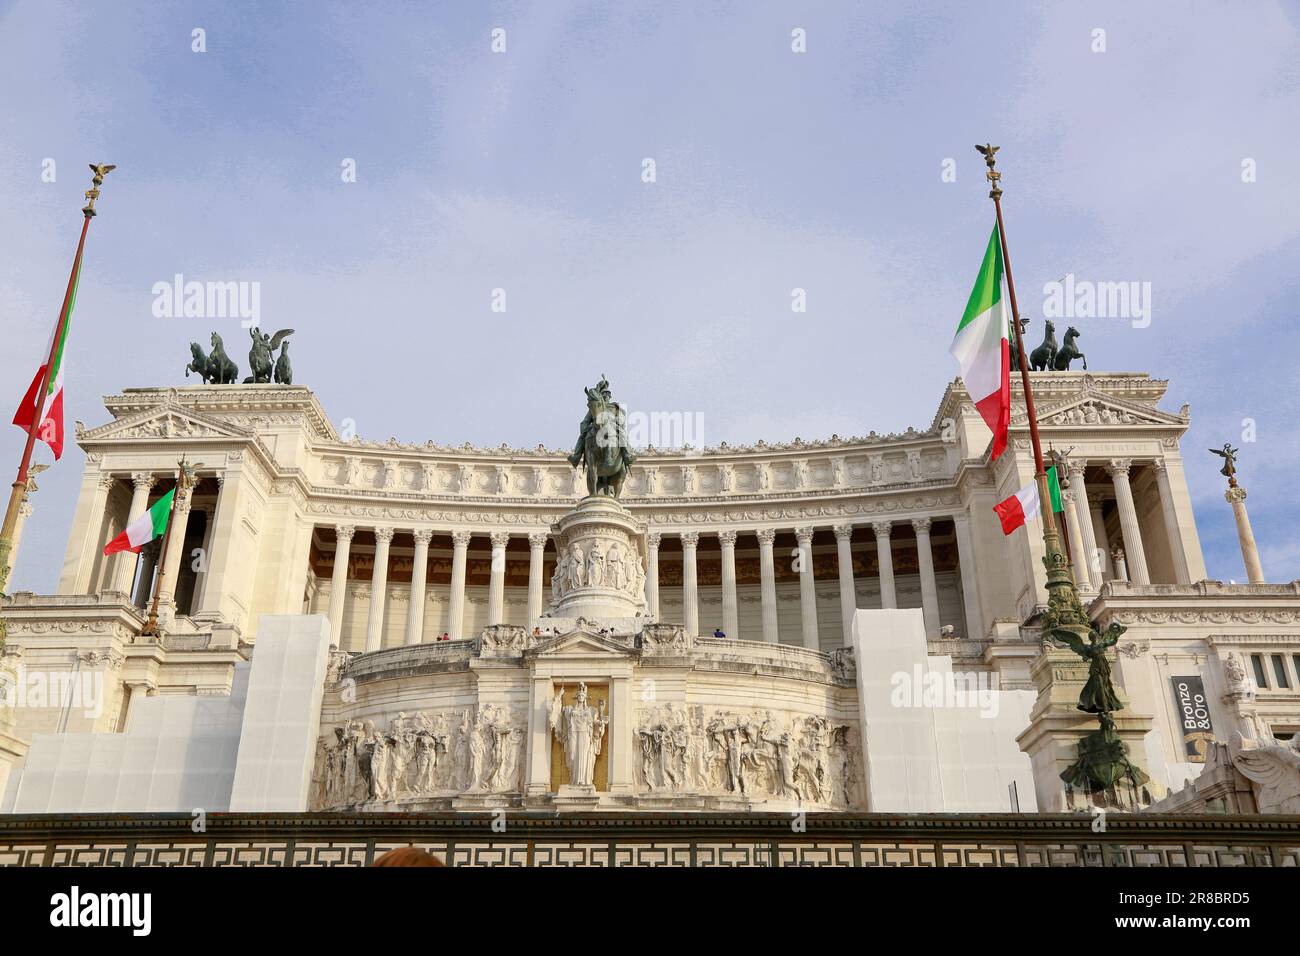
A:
1194,713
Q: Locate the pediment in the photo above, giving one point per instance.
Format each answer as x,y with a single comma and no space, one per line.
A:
163,423
583,641
1093,408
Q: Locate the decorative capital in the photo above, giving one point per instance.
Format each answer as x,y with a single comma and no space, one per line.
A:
1161,466
1118,467
727,539
1076,466
143,479
881,528
107,480
843,532
537,540
921,525
422,535
803,535
460,539
383,535
766,536
344,532
499,539
652,539
1234,494
690,539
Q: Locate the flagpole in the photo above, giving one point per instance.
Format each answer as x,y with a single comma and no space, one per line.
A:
1060,586
19,487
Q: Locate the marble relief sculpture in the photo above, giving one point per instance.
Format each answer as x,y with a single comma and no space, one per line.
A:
756,755
421,755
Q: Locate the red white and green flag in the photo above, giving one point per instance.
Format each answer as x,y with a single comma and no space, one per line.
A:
50,429
1025,505
145,528
980,346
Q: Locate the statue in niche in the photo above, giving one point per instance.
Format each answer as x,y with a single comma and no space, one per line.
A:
614,566
580,729
477,752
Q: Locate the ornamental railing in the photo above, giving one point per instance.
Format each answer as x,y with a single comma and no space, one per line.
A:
652,839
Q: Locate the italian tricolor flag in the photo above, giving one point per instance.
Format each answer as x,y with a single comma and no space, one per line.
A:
50,429
145,528
1025,504
980,346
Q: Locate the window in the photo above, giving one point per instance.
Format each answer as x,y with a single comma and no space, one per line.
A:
1279,670
1257,662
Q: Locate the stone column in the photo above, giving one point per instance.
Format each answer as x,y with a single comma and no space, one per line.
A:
536,565
1236,496
690,590
127,562
419,572
378,590
148,565
848,595
1128,521
456,610
1095,563
171,560
929,586
1102,539
730,613
969,583
807,590
767,571
652,573
497,581
888,596
1078,549
339,580
84,545
1181,570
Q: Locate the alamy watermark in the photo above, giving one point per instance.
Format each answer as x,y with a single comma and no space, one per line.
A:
58,688
180,299
946,689
1071,298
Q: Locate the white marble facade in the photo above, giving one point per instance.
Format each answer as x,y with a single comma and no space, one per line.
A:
775,544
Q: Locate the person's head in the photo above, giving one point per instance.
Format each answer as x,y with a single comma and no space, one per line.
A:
407,856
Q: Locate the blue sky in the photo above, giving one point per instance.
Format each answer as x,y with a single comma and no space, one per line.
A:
522,170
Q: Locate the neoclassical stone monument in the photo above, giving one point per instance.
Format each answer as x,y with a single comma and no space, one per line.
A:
705,602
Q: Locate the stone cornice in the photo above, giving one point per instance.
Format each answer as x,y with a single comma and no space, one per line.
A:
1203,603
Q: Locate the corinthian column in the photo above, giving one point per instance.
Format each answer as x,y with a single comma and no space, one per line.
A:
419,569
888,596
690,590
929,586
536,558
497,581
767,573
339,580
1096,561
124,574
730,616
652,573
807,589
848,595
171,567
1181,570
378,589
1135,555
456,610
1078,549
